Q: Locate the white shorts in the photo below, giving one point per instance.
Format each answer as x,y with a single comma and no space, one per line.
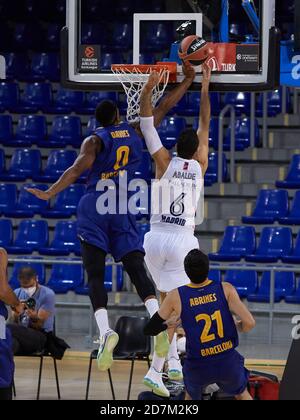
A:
165,254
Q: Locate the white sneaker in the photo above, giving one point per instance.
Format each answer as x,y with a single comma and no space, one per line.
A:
175,369
108,343
153,380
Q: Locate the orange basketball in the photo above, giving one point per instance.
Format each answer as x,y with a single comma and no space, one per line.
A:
194,50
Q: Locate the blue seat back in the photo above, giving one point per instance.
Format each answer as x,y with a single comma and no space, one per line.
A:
16,65
59,161
8,196
32,234
172,127
65,234
69,98
37,94
69,198
94,98
91,126
66,128
67,274
295,207
239,240
9,95
240,100
275,241
38,267
45,66
215,275
212,170
272,203
31,202
32,127
285,282
26,162
6,232
6,128
294,169
247,280
108,59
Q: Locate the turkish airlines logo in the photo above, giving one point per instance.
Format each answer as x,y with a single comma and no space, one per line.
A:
89,52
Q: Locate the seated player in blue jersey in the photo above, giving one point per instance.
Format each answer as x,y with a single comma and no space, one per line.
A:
7,297
205,308
113,152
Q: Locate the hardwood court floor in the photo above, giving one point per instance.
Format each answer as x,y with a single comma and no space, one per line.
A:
73,376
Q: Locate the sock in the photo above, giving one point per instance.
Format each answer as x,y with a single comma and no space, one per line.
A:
152,306
173,353
102,321
158,362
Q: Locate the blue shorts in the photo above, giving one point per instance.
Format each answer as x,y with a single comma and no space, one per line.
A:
6,361
228,372
115,234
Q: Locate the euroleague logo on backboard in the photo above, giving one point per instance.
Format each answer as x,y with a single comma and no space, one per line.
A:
89,52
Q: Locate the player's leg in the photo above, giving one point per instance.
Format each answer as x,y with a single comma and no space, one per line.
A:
94,264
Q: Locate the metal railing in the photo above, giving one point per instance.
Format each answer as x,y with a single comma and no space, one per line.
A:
224,112
296,101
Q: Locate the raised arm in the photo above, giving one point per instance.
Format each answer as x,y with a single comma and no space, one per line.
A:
174,96
204,119
246,322
160,155
89,149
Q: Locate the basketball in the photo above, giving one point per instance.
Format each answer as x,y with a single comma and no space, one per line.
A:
194,50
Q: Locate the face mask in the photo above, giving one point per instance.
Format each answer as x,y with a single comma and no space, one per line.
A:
30,291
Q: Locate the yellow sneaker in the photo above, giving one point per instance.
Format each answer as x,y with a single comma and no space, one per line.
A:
162,344
105,354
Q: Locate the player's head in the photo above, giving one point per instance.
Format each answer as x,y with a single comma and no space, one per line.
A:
196,265
107,113
187,144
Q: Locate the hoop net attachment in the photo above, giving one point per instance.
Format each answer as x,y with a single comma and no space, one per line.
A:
134,77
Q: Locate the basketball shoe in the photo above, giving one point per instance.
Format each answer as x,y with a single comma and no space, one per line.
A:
108,343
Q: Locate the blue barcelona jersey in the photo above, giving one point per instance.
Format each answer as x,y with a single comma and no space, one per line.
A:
207,321
121,151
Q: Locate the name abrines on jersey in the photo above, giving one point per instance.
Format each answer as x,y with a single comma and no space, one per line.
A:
173,220
185,175
203,300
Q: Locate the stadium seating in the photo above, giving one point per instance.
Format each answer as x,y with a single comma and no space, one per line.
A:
66,277
67,101
6,129
285,284
25,164
36,97
65,131
38,267
215,275
27,204
65,240
275,243
190,106
271,205
213,132
293,297
245,282
52,41
145,171
93,34
91,127
9,96
241,102
157,37
170,129
17,66
6,233
238,241
122,38
293,217
211,176
108,59
32,235
242,135
108,280
294,257
8,197
93,99
31,129
66,203
27,36
293,178
58,162
45,66
274,103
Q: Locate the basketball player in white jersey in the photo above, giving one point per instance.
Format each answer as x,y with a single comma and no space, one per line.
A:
173,222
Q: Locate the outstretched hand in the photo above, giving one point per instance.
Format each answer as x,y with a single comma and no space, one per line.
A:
189,71
42,195
206,70
153,80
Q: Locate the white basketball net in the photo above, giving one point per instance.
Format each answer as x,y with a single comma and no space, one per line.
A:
133,80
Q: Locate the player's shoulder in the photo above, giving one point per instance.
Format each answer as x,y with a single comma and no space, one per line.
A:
228,288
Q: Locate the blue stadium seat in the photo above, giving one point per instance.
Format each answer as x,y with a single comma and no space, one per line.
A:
32,235
91,126
108,59
242,135
65,240
25,164
65,131
170,129
93,34
147,58
293,297
36,97
6,38
293,217
58,162
65,277
38,267
238,241
285,284
6,129
31,130
245,282
6,232
241,102
91,9
122,38
45,66
27,204
17,66
270,206
213,132
27,36
94,98
274,103
52,41
294,258
275,243
211,176
9,96
67,101
293,178
191,105
157,37
145,169
84,290
2,162
8,197
215,275
66,203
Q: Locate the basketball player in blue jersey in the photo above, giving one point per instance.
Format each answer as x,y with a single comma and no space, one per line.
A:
205,308
7,297
113,150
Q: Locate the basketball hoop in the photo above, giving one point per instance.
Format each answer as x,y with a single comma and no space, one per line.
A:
134,77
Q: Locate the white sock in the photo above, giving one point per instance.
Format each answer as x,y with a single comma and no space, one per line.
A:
158,362
173,353
152,306
102,321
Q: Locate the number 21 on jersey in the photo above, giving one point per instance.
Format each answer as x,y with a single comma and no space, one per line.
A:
206,337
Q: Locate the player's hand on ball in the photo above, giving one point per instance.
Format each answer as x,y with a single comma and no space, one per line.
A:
189,72
206,75
42,195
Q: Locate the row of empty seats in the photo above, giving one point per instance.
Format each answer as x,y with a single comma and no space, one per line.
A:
273,206
275,244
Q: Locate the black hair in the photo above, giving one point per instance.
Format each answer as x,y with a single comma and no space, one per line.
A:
196,265
106,113
26,274
187,144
